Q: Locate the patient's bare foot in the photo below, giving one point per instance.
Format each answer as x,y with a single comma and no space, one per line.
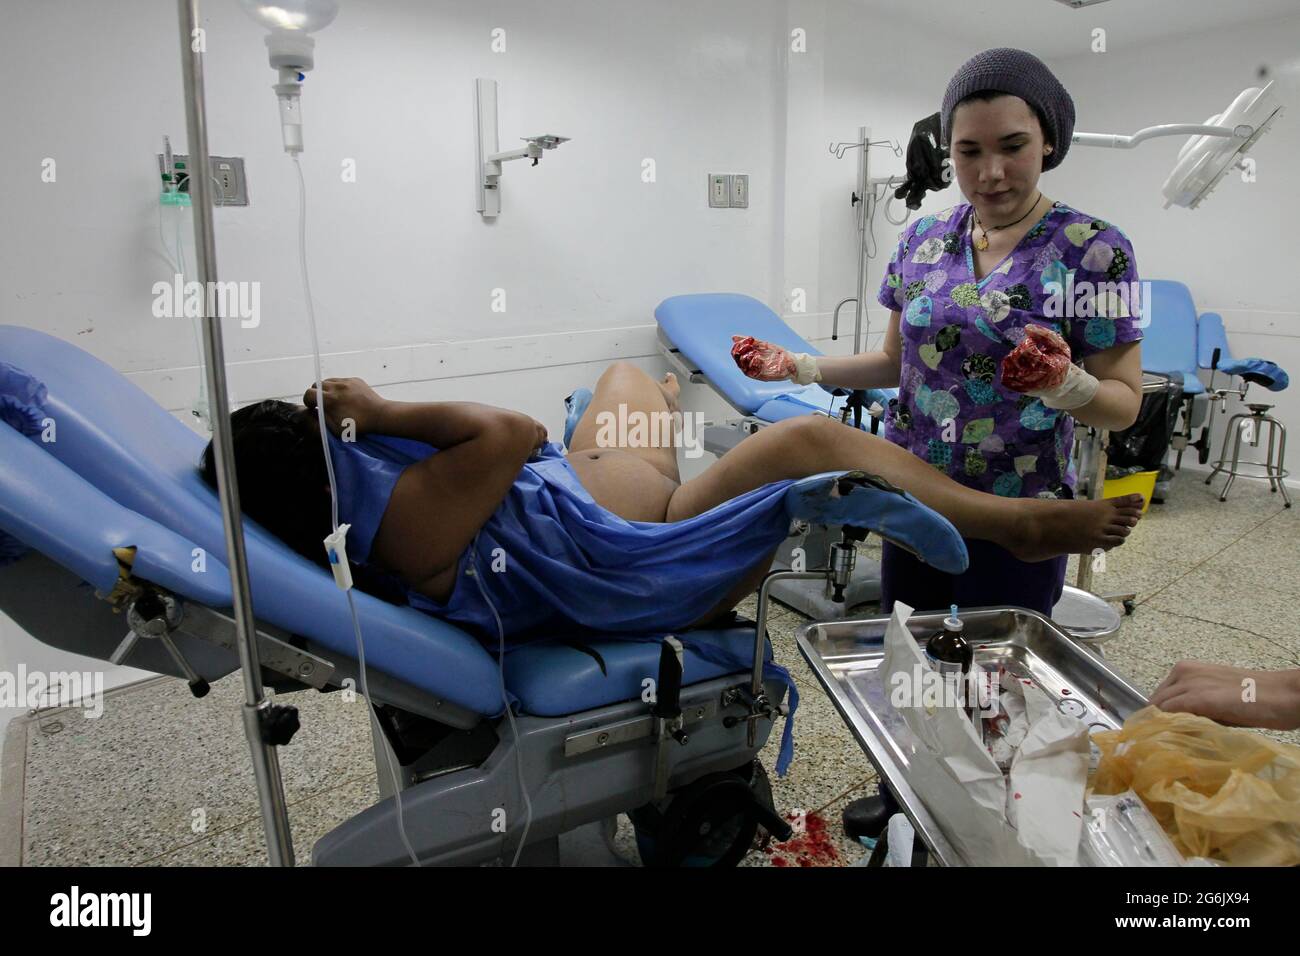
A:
672,390
1046,528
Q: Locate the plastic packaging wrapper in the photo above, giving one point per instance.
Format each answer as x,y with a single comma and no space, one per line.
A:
1119,830
1038,363
902,839
1222,793
761,360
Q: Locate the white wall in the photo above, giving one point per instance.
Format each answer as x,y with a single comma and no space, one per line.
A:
400,256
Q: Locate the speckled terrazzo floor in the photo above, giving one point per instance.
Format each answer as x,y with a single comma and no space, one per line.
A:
162,779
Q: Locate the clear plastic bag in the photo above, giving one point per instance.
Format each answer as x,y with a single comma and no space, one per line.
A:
1219,792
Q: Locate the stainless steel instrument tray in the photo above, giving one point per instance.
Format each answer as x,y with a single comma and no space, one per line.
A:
847,655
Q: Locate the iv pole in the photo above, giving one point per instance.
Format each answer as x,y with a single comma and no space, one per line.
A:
266,765
866,198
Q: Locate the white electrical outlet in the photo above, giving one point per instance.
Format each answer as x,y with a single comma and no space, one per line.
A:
740,190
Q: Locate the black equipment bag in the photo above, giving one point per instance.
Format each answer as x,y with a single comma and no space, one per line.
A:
1145,443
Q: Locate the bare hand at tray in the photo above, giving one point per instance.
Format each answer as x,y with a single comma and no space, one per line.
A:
1232,696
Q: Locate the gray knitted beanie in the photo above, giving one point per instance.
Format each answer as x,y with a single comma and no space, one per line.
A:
1021,74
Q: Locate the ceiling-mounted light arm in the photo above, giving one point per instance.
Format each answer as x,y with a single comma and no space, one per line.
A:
1119,141
488,156
1212,148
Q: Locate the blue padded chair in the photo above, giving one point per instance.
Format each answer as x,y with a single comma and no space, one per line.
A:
1180,343
1169,344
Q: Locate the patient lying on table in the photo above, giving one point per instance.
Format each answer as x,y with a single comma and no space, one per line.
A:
455,503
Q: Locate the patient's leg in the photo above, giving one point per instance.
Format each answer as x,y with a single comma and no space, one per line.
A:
628,396
630,471
1030,528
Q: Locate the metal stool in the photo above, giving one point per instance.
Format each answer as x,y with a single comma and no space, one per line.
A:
1253,424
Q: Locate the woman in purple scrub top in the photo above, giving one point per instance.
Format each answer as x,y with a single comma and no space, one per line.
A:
961,287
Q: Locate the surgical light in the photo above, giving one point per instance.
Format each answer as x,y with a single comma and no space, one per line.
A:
1215,146
291,51
1205,160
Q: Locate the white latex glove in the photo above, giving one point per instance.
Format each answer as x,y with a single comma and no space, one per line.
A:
1076,390
770,363
805,368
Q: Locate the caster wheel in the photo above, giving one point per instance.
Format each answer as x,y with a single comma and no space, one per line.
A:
1129,607
709,823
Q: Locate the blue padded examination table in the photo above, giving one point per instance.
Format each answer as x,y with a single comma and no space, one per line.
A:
112,546
695,332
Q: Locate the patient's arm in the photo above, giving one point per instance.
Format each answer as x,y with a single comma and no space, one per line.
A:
439,504
440,424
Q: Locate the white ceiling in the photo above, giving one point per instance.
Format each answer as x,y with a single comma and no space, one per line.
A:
1051,29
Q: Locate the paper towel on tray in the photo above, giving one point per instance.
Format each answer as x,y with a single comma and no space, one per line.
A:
1032,816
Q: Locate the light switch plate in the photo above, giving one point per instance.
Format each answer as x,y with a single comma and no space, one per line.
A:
719,190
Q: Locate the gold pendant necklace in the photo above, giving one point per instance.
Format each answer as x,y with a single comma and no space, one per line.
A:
982,242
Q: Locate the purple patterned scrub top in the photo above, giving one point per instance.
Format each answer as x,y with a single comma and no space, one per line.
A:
1071,272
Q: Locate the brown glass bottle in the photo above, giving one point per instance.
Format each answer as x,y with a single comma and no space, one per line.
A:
952,657
948,649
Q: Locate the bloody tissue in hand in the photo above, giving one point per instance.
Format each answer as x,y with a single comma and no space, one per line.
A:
1039,362
758,359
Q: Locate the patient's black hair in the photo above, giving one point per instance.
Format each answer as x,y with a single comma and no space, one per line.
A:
985,96
283,485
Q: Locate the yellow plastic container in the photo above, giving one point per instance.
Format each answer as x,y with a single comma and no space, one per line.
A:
1142,483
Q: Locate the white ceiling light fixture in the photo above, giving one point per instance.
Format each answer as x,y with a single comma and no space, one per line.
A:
1205,160
1080,4
1213,147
